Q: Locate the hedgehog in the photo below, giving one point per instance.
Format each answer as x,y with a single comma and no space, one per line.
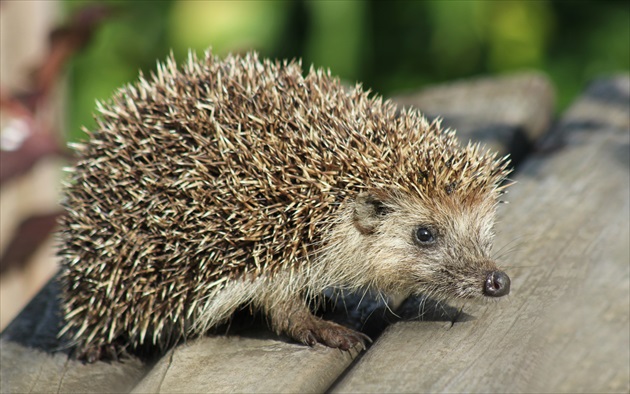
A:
234,183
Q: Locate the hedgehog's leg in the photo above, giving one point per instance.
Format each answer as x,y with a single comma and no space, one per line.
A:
294,319
93,353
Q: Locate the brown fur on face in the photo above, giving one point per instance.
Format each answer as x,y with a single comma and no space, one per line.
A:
455,264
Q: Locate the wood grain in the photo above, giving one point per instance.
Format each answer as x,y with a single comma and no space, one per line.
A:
246,365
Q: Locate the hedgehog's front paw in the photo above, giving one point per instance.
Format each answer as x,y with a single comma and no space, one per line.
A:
93,353
294,319
330,334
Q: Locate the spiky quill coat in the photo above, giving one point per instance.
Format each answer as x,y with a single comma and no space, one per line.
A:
204,180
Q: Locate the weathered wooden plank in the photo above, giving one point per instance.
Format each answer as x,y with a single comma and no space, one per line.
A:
246,365
564,238
28,370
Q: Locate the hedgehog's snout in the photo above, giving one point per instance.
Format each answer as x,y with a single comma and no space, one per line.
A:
497,284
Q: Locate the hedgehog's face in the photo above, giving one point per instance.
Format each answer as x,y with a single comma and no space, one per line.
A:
439,250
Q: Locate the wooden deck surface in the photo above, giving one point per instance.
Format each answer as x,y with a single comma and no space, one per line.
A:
564,240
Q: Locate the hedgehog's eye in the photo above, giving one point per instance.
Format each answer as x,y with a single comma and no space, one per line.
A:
424,235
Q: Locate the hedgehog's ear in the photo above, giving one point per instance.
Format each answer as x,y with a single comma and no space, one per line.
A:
369,211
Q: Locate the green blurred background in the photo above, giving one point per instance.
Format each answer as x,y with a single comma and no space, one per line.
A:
389,46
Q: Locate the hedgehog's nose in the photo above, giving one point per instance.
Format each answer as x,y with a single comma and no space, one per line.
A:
497,284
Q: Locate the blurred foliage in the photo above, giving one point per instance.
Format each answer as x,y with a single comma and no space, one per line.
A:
388,46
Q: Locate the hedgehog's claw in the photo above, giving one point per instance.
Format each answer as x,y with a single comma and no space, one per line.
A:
332,335
344,338
294,319
309,339
91,354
